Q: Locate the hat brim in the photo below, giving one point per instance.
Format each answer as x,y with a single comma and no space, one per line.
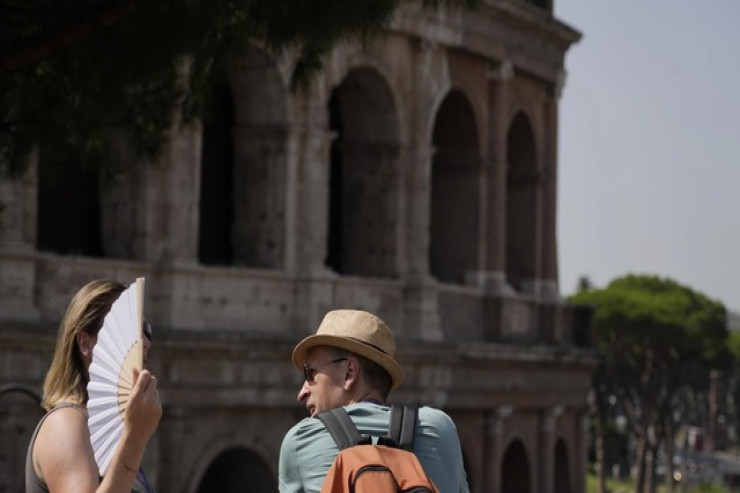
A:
386,362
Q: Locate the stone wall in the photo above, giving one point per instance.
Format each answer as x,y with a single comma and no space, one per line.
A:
415,178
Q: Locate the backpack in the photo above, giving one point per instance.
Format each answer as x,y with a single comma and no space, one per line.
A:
364,467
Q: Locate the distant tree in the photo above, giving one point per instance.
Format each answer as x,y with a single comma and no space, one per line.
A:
655,337
71,71
584,283
734,376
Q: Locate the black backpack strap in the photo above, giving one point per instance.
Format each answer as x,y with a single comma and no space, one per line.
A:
401,431
342,429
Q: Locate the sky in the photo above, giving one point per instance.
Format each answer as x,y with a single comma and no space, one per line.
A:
649,144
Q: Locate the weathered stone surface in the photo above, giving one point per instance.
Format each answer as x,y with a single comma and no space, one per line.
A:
331,201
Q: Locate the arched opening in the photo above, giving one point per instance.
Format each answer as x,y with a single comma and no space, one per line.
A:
243,166
521,204
562,468
455,201
68,214
515,475
236,470
364,177
20,412
216,177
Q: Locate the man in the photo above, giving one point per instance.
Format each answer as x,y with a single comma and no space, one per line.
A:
349,362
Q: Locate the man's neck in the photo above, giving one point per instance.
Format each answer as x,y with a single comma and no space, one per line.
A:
368,396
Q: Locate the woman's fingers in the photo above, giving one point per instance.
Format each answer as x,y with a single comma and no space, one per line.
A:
143,380
151,384
144,408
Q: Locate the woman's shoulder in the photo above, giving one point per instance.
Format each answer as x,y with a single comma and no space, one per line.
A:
66,413
62,448
63,424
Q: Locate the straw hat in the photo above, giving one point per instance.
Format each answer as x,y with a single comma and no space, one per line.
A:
356,331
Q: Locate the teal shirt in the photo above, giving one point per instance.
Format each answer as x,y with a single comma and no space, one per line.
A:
308,449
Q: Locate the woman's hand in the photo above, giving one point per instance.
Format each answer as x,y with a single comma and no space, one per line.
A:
144,408
140,420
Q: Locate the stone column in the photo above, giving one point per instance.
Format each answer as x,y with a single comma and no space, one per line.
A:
420,292
18,246
548,426
308,215
580,452
493,276
171,191
294,153
549,290
312,201
176,200
493,449
420,289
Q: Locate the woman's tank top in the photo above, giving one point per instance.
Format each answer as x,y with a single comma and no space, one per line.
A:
34,484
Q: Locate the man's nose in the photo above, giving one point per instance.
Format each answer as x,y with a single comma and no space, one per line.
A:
304,391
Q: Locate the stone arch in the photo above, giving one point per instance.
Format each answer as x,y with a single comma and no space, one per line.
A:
349,58
235,468
244,166
521,203
75,228
562,468
472,91
455,197
515,469
364,177
20,412
19,388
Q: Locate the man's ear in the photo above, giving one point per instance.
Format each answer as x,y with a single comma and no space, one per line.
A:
352,375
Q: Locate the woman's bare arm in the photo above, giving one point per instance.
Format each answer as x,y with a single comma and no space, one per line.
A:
63,455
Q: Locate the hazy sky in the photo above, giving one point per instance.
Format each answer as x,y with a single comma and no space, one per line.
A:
649,144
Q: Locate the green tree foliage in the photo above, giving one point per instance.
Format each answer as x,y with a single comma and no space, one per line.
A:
655,338
733,380
72,71
637,317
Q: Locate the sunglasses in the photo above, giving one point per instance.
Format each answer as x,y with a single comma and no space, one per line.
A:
146,329
309,372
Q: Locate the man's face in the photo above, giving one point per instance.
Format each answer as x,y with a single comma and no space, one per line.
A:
324,386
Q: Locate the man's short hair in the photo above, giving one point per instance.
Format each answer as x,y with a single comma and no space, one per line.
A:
374,375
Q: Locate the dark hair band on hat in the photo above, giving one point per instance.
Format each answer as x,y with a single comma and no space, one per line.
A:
368,344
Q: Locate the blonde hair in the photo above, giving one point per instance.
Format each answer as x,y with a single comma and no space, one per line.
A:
67,377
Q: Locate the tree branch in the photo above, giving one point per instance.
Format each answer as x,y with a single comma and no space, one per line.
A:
41,47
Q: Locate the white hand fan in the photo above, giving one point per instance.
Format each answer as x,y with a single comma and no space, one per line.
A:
118,351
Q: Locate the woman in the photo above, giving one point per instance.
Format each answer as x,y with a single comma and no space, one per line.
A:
60,456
